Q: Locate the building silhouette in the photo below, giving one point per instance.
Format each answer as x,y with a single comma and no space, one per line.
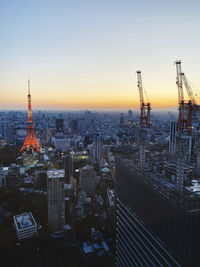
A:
59,125
67,165
87,180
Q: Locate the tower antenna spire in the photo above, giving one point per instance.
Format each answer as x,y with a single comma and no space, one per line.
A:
29,91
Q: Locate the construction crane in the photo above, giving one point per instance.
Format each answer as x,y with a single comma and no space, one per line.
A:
189,89
144,107
179,81
186,107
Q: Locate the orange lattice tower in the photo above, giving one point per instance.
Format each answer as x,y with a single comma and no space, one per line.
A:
31,142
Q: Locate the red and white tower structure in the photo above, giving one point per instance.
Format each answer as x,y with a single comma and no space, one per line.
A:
31,143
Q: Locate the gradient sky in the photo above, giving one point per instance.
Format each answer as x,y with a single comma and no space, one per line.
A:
83,54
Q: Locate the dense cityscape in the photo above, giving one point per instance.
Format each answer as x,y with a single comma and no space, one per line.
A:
103,188
99,133
83,147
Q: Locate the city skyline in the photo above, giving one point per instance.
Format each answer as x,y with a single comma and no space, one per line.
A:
85,55
99,133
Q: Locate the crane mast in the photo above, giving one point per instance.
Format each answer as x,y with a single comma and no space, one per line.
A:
144,107
139,84
186,107
189,89
179,81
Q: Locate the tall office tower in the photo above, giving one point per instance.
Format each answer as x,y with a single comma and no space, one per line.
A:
87,180
56,199
4,125
11,133
67,165
156,223
98,148
59,124
41,179
121,119
172,138
130,115
74,126
31,142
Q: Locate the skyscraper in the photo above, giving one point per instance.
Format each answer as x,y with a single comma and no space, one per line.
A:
130,116
56,199
59,124
98,148
67,165
145,219
74,125
121,119
87,180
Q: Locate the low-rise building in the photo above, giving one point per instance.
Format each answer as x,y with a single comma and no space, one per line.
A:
111,201
25,225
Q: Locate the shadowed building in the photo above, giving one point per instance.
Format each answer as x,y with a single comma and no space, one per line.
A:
151,228
56,199
87,180
59,125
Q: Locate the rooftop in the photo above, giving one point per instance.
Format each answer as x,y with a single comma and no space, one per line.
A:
56,173
24,220
111,196
195,187
67,186
87,248
95,248
105,170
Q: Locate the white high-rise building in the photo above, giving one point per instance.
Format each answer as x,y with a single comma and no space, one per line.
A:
98,148
56,199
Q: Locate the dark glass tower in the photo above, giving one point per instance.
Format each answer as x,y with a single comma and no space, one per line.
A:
59,125
156,224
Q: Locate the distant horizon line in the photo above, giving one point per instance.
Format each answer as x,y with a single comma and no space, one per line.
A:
173,108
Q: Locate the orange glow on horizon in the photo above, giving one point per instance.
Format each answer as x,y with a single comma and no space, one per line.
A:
99,103
97,97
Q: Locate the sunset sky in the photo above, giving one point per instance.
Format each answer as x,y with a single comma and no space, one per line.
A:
83,54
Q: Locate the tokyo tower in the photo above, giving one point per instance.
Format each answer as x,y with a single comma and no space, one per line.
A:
31,142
